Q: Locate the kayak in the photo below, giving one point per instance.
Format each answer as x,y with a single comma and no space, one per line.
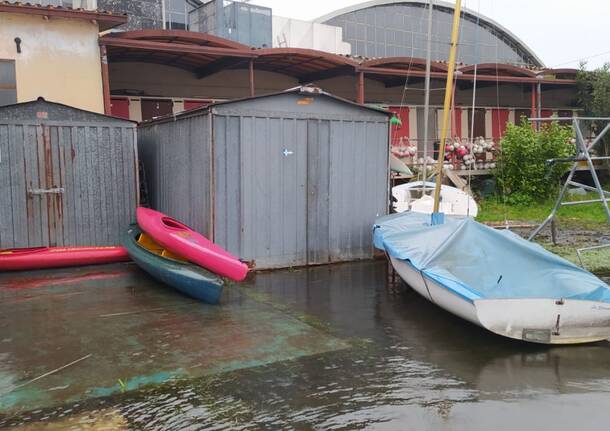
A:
20,259
171,269
183,241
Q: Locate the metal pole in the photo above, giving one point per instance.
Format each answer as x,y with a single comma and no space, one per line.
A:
360,88
251,78
427,95
448,94
581,140
533,109
539,98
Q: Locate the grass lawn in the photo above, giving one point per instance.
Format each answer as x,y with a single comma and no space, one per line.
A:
578,226
493,210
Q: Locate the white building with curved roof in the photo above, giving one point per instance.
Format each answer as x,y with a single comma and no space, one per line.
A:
393,28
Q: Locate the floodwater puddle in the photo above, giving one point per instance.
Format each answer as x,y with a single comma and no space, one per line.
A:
329,347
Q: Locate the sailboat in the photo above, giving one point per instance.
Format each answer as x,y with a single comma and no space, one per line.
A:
494,279
411,197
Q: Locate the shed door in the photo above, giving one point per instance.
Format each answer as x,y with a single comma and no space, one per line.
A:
274,191
318,191
44,161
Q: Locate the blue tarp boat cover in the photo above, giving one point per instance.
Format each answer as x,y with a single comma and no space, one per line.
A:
477,261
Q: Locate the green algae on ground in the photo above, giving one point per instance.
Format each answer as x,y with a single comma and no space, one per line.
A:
596,261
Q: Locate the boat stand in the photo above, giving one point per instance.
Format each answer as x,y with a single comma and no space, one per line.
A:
583,155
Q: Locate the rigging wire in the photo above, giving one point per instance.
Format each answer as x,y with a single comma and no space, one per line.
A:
406,86
499,126
477,57
581,59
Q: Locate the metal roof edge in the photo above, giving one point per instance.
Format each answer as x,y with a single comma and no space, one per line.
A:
301,89
43,100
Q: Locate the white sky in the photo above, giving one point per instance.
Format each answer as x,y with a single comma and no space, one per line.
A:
560,32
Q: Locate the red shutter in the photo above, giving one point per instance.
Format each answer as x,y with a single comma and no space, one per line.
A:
119,107
499,118
192,104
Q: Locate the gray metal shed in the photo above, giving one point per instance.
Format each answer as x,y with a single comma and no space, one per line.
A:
67,177
285,179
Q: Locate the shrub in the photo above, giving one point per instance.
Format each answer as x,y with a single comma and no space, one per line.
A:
522,172
594,97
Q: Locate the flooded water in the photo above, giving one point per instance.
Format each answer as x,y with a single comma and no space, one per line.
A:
338,347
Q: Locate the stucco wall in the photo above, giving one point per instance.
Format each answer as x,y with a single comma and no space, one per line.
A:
59,60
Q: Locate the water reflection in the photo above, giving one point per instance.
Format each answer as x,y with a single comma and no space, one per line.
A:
407,361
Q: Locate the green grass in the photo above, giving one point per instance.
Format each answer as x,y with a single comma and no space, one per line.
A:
493,209
576,220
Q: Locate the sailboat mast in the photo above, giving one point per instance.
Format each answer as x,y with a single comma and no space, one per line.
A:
447,104
427,94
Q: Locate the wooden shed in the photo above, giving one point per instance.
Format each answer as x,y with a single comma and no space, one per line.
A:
285,179
67,177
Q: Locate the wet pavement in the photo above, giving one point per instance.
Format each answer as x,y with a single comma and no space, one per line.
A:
329,347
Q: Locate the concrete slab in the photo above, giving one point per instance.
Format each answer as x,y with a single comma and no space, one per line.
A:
72,334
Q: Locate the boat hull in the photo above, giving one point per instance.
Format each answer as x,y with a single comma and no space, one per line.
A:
537,320
185,242
21,259
185,277
453,201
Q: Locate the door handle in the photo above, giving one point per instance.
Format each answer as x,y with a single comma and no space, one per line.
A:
53,191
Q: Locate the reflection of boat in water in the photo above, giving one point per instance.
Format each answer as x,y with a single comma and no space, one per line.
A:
496,367
414,197
410,340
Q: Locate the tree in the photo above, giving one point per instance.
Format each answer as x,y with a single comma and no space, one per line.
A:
594,97
523,172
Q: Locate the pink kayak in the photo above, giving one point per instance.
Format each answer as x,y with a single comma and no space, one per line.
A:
20,259
185,242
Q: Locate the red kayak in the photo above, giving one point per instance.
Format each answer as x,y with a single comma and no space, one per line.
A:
19,259
185,242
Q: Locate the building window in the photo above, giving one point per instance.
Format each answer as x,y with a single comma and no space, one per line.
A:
8,83
176,14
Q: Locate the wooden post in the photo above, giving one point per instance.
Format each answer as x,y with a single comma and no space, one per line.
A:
360,88
105,80
251,78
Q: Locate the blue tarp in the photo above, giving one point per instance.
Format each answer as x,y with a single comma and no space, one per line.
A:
477,261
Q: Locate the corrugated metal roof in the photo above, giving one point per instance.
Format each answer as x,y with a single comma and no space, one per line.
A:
105,19
42,101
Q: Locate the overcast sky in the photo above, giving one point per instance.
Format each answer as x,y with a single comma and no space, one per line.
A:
560,32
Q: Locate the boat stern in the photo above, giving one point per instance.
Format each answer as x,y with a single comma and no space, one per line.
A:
546,321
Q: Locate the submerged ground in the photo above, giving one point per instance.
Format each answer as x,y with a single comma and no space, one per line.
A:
330,347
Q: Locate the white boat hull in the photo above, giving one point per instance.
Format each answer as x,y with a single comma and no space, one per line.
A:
537,320
453,201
